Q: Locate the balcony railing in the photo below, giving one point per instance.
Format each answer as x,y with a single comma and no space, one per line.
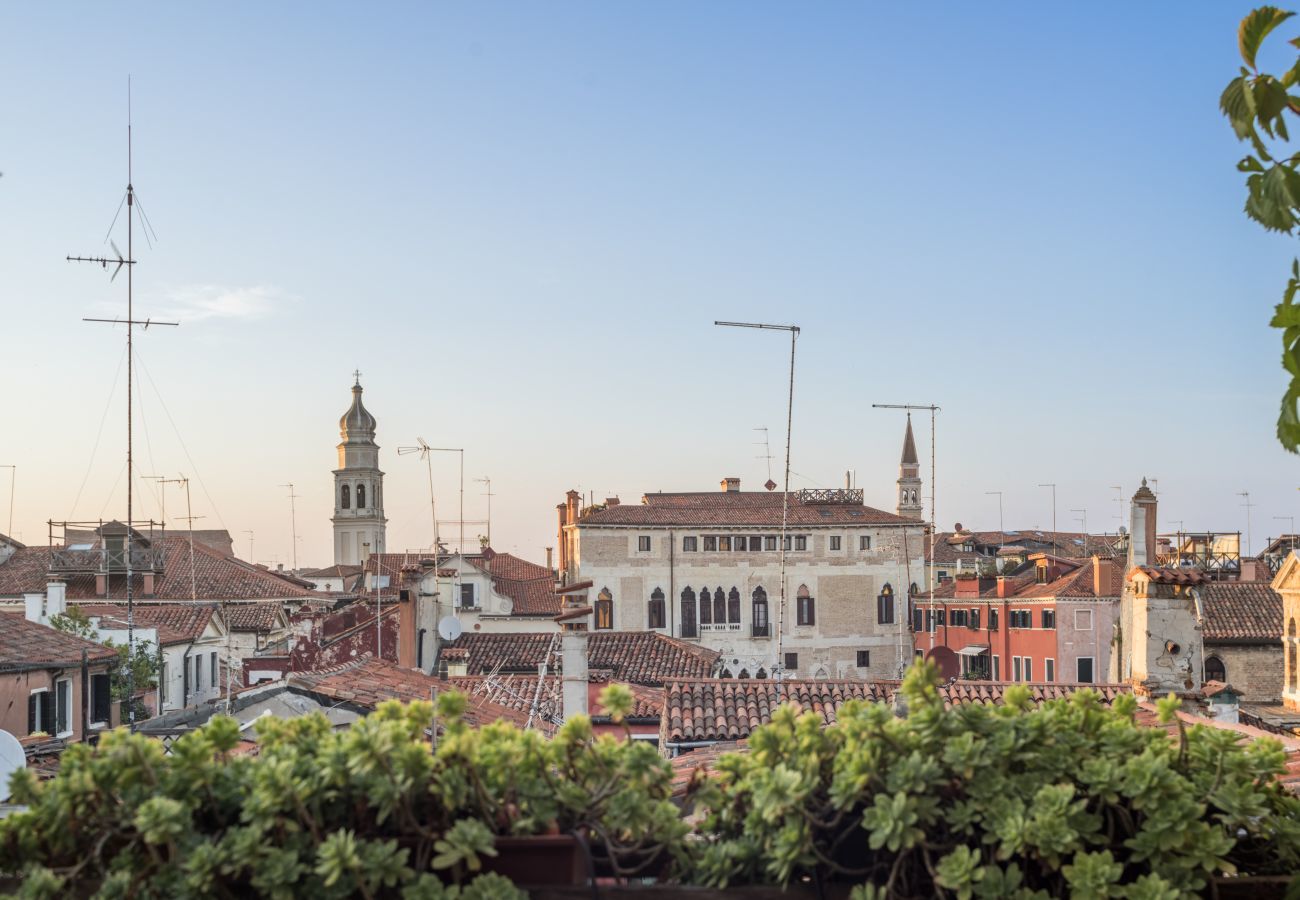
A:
99,561
721,626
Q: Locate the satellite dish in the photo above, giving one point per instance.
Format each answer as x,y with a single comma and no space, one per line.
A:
12,758
449,628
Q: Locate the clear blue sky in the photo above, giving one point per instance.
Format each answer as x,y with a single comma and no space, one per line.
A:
520,220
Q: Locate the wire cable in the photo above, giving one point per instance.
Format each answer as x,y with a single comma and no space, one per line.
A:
98,435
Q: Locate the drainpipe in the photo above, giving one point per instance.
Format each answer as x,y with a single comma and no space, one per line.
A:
672,587
85,694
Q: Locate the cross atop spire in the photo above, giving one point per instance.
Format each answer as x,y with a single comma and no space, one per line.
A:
357,375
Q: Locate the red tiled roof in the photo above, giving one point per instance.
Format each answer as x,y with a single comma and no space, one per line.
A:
637,657
27,645
335,571
217,577
728,710
519,691
177,623
1241,611
367,682
256,617
1073,544
739,509
530,587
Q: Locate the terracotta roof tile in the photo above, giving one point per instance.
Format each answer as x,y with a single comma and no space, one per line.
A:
740,509
27,645
177,623
1241,610
519,692
217,577
637,657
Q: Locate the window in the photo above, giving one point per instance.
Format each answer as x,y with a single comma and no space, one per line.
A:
1040,574
957,618
719,607
1015,668
63,706
974,620
1022,618
688,613
1049,618
710,542
706,607
1029,668
724,543
785,544
993,620
885,606
656,609
40,711
101,703
864,659
864,542
835,542
1215,670
1084,668
733,606
467,596
213,667
939,615
604,610
198,674
689,544
918,619
185,676
361,496
345,499
643,543
805,606
769,542
738,543
801,542
997,668
758,613
791,662
1083,620
165,682
1050,674
755,544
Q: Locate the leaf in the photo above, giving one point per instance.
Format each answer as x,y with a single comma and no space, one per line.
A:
1250,164
1255,27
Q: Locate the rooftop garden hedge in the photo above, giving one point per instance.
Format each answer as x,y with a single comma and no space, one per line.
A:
1071,797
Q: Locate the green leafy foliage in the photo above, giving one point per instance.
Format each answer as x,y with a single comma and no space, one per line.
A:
144,666
1257,106
1068,798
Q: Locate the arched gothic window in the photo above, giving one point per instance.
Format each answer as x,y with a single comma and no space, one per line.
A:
744,673
1215,670
805,607
733,606
604,610
726,673
345,500
706,607
758,613
688,612
719,607
656,609
761,675
361,496
885,606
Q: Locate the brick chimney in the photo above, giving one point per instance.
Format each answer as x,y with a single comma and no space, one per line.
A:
1102,580
1004,588
148,589
730,484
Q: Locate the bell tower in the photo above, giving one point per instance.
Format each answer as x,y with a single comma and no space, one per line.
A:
909,477
359,522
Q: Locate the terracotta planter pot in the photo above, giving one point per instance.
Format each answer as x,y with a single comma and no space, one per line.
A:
540,859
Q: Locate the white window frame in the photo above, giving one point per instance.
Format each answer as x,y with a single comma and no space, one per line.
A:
997,668
59,683
460,595
90,705
1015,668
835,543
1028,666
1050,665
41,726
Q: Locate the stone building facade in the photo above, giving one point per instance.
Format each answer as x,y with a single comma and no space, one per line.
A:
359,522
1287,584
706,567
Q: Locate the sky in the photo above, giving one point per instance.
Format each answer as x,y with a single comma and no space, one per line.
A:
519,221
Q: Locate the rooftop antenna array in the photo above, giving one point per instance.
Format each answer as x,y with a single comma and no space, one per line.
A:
118,261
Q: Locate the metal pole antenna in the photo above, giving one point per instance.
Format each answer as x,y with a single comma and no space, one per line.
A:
421,447
118,261
13,474
1248,506
461,451
779,668
487,481
1053,487
1085,525
293,522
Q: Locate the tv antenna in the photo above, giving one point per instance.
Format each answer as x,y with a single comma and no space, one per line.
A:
422,447
293,522
767,454
1248,506
118,261
249,532
488,493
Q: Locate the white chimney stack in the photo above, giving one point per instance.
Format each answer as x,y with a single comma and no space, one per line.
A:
56,602
34,608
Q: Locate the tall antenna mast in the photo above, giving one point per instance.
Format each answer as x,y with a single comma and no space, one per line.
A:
130,322
293,522
488,493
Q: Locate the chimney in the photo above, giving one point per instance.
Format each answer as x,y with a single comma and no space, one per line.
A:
967,587
730,484
56,598
1004,589
34,608
549,552
574,613
611,501
1142,528
1101,577
101,585
365,552
148,589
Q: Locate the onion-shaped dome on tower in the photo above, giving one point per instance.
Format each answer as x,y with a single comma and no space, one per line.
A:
357,423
